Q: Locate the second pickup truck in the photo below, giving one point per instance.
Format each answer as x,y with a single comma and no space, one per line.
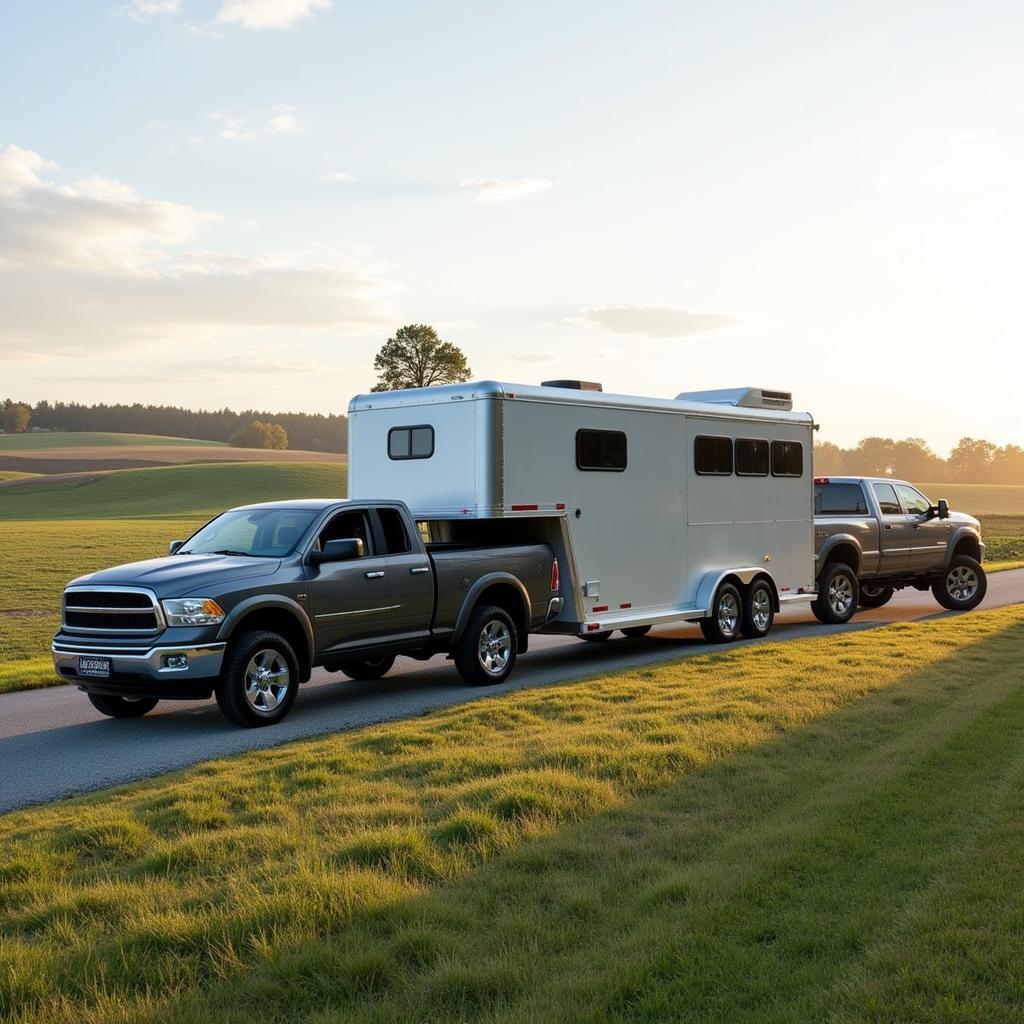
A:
246,607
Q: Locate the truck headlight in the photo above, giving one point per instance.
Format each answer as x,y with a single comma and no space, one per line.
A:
192,611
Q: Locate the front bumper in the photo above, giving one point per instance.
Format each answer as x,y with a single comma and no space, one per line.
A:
142,670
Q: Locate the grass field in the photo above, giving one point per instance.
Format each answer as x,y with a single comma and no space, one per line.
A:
979,499
739,837
14,474
84,439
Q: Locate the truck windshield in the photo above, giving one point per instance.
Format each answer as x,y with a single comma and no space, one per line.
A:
257,533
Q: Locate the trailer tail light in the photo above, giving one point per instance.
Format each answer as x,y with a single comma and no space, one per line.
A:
555,584
593,627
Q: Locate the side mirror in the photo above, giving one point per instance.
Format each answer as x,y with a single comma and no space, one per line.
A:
943,507
338,551
172,548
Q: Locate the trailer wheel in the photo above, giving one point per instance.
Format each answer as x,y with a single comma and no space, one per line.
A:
259,679
837,594
486,652
364,668
758,610
874,596
726,616
122,707
636,631
599,637
962,586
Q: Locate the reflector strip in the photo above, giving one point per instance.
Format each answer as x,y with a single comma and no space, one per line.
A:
600,608
628,604
525,508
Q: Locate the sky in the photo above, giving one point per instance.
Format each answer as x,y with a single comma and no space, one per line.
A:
234,203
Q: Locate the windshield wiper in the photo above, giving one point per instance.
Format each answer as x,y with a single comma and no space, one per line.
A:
229,551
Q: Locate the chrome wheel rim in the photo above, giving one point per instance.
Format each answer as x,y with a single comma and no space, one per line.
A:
267,681
961,583
728,613
494,647
761,609
840,595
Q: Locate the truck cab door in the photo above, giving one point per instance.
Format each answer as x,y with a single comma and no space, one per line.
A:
896,530
351,600
931,534
410,573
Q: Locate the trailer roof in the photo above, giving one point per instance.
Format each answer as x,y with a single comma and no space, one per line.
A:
491,389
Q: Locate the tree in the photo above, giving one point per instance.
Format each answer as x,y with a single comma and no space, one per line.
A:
260,435
871,457
1008,465
970,460
912,459
417,358
828,458
15,416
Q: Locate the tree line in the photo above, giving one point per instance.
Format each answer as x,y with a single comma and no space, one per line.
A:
309,431
972,461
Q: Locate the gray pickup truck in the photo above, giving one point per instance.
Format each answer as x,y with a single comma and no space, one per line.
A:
247,606
889,536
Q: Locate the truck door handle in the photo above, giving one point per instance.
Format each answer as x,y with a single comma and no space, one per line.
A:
373,575
887,526
419,569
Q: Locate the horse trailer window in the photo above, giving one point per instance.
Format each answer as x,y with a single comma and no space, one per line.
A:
411,442
787,458
712,456
751,457
601,450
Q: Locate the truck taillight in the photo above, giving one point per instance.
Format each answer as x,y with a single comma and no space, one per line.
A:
821,479
554,575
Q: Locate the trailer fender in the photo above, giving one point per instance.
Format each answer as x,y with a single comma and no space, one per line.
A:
743,575
523,617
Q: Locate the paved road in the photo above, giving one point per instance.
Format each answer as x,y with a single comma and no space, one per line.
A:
53,743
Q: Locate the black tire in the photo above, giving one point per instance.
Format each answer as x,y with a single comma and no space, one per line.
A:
599,637
365,668
758,610
726,616
486,651
873,596
837,594
636,631
251,697
122,707
962,586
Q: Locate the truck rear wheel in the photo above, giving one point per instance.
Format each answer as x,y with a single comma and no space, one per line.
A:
259,679
837,594
874,596
758,610
365,668
726,615
962,586
486,652
122,707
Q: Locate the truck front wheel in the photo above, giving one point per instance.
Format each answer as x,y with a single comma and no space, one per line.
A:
486,652
122,707
837,594
962,586
258,680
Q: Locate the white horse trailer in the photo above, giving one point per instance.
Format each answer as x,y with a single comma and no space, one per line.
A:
698,508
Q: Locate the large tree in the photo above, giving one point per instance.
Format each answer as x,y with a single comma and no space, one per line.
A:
417,358
15,417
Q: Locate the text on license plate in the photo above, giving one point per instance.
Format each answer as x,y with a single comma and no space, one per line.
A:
94,667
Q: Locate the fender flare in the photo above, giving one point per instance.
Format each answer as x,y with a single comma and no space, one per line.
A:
745,574
821,559
957,536
263,603
473,595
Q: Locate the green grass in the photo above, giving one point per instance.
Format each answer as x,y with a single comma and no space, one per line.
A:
739,837
89,439
979,499
172,491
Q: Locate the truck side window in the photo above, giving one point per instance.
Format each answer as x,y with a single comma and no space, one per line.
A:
751,457
787,458
601,450
396,540
712,456
416,442
839,500
888,503
913,500
345,526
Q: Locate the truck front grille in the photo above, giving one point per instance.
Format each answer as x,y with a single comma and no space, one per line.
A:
110,610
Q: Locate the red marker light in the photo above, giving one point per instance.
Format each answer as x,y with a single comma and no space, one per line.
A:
555,580
821,479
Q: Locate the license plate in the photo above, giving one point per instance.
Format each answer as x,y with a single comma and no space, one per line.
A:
97,667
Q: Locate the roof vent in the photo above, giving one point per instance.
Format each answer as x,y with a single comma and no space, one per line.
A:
572,385
744,398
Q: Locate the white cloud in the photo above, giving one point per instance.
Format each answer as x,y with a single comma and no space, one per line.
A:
280,121
500,190
283,124
142,10
337,178
92,266
260,14
651,321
